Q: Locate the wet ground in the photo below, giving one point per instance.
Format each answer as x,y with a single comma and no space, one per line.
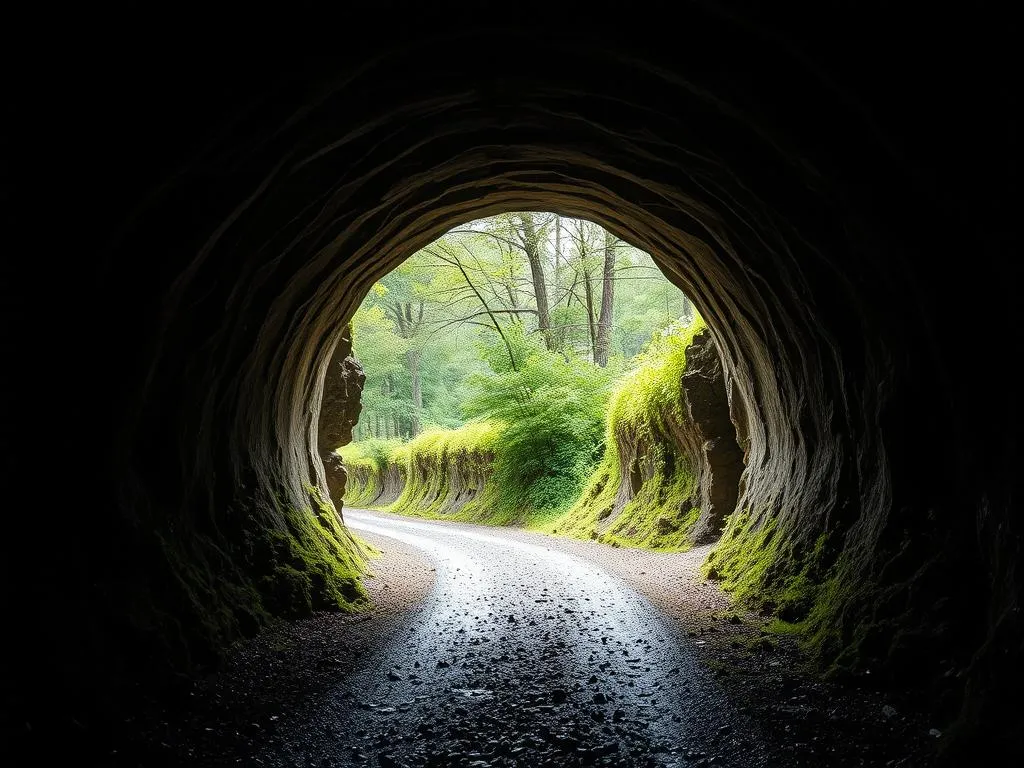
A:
498,647
527,655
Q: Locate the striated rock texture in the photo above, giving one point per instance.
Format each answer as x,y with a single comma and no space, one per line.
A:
339,412
449,474
710,437
670,474
444,484
375,485
203,220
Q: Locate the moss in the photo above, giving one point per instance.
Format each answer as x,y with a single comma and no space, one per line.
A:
366,463
780,627
435,458
764,569
646,406
449,474
760,644
288,592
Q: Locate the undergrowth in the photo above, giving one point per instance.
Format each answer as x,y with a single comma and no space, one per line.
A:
536,434
553,444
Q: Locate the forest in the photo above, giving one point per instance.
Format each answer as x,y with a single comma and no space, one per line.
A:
438,332
494,358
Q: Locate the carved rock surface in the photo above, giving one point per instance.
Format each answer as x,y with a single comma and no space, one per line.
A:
710,437
697,440
339,412
374,486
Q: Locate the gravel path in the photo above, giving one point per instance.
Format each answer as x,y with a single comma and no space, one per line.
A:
504,647
522,654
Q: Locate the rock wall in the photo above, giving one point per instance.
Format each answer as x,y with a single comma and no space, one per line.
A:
707,433
371,484
448,474
392,484
671,474
339,412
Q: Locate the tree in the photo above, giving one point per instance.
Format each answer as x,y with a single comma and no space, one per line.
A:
404,306
523,234
524,274
604,323
530,236
582,235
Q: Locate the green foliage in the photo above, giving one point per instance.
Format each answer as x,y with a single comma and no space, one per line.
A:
367,463
538,439
552,406
406,317
460,323
654,304
372,452
417,329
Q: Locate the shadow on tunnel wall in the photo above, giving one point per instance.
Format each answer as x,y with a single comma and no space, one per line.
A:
836,222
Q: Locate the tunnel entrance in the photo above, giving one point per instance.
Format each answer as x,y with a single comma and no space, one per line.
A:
535,369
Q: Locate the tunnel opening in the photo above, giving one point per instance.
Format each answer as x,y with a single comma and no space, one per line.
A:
796,199
534,369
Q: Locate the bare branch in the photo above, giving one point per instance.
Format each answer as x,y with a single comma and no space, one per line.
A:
497,326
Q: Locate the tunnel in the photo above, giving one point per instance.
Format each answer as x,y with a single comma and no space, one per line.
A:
834,189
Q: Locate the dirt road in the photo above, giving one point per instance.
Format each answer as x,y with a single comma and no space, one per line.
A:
521,654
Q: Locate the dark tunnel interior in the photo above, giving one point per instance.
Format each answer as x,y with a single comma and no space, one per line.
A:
836,189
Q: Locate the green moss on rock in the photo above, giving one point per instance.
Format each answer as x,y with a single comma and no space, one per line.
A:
643,492
449,475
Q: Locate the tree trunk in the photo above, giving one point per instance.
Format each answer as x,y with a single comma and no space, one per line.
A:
604,323
413,357
589,294
540,288
558,245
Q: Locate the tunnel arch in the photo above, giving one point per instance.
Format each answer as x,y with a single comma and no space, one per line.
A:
695,247
274,200
813,376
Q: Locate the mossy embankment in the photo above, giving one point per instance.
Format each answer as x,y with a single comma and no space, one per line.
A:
444,473
451,474
376,470
644,491
649,487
